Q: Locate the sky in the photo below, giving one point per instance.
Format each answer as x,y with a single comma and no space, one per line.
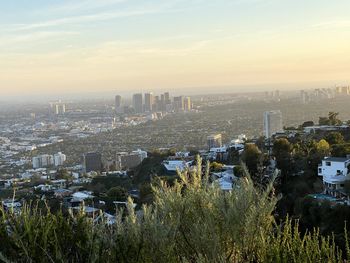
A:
90,46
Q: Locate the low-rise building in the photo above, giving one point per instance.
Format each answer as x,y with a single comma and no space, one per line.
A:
172,166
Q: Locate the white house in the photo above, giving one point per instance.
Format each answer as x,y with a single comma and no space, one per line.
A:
335,172
172,166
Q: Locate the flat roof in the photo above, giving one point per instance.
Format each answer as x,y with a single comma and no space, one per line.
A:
336,159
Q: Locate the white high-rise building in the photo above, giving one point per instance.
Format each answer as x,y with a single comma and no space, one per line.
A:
42,161
272,123
59,159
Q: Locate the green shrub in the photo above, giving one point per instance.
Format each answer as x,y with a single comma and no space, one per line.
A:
190,221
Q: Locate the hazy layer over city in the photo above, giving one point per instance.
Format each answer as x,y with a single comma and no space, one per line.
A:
63,48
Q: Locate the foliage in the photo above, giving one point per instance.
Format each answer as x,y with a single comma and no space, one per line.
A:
216,167
251,156
323,147
307,124
332,119
340,150
335,138
191,221
118,193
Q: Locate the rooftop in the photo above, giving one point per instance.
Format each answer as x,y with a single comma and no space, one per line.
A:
337,159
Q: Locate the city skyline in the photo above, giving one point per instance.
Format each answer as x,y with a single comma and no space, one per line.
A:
66,47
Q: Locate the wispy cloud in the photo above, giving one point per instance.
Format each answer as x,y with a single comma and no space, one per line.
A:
82,5
333,24
82,19
34,37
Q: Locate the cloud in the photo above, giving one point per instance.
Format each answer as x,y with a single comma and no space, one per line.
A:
82,5
32,37
103,16
333,24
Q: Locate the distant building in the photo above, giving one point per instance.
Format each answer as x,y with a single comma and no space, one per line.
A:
179,103
125,160
214,141
272,123
59,159
172,166
58,107
137,103
187,104
335,172
304,97
344,90
92,162
149,102
167,97
42,161
118,104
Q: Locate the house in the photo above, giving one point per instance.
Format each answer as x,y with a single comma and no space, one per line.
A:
172,166
11,206
335,171
226,178
61,193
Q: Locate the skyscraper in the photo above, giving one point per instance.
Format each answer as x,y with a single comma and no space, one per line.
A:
187,104
137,103
58,107
118,101
149,102
179,103
118,104
167,98
272,123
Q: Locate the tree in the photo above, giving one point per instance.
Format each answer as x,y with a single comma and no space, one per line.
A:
335,138
117,193
282,150
307,124
216,167
323,147
251,157
238,171
341,150
332,119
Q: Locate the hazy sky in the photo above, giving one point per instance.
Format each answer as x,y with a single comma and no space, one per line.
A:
53,46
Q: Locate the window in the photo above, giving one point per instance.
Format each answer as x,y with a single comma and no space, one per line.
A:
341,185
338,172
328,163
319,170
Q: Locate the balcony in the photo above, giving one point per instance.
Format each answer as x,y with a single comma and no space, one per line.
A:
336,179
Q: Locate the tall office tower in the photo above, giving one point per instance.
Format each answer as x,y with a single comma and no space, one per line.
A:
187,104
118,104
214,141
92,162
272,123
59,159
167,98
149,101
156,103
179,103
58,107
162,102
137,103
304,97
